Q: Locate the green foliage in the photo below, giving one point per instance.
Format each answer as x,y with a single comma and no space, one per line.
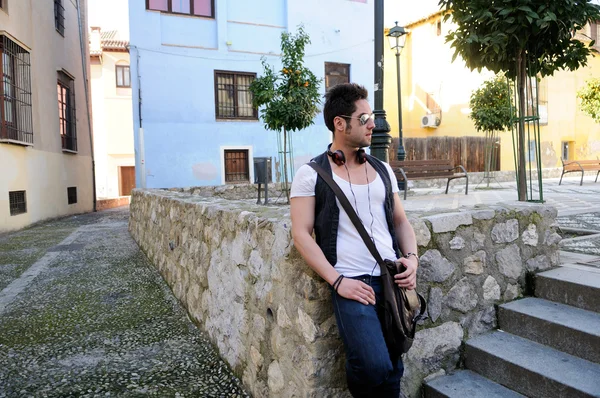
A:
490,105
493,34
290,97
590,99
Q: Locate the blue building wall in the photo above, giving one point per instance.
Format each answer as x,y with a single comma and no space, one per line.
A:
173,63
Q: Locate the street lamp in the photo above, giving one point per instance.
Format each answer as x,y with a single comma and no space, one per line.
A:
397,38
381,139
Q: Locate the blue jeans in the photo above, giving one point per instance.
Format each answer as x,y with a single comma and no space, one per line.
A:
370,369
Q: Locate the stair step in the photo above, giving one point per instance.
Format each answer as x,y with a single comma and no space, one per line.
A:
466,384
578,287
568,329
531,368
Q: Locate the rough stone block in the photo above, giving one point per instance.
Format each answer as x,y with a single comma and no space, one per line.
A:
509,261
462,297
448,222
475,264
435,268
506,232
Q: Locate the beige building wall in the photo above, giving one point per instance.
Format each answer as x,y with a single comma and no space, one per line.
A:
43,169
427,69
113,121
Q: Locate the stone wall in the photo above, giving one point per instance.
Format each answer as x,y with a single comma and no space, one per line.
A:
233,266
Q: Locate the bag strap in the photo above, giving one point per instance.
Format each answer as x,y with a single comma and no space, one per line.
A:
351,213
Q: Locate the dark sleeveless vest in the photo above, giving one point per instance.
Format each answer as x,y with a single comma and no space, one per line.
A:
327,213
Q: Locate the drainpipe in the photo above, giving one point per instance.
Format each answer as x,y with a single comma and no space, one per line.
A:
141,146
87,100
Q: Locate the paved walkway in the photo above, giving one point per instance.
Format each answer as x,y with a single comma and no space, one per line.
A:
83,313
569,197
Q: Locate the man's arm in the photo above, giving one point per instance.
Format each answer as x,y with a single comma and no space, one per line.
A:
302,211
405,235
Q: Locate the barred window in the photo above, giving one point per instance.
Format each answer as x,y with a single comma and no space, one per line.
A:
233,99
17,202
15,93
201,8
59,17
237,168
123,76
66,111
71,195
336,74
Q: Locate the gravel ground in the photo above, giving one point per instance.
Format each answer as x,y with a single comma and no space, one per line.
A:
98,320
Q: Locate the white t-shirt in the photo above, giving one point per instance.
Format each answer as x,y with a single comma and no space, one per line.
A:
353,257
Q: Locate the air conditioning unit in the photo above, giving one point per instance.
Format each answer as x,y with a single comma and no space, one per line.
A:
431,121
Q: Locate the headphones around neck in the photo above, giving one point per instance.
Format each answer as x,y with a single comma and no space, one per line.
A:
339,158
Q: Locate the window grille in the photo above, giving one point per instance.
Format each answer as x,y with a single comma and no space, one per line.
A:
15,93
233,99
18,202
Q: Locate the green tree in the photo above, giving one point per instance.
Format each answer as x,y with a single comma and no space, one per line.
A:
521,38
491,113
590,99
289,97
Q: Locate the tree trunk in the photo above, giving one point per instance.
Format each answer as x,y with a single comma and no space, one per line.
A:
521,168
285,169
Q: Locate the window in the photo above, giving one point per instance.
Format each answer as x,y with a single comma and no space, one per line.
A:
233,99
336,74
123,76
72,195
538,88
202,8
531,151
15,93
431,103
17,202
66,111
438,27
59,17
568,150
236,166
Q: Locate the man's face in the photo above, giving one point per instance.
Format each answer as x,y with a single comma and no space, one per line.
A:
360,126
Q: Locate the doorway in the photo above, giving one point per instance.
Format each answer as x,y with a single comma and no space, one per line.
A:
127,174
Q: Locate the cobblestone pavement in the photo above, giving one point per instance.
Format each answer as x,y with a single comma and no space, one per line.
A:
83,313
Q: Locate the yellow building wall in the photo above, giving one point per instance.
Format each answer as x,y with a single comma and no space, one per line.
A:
426,68
43,170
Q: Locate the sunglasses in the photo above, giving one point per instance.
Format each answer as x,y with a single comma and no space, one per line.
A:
362,119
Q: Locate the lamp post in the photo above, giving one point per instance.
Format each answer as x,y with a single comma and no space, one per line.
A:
381,139
397,39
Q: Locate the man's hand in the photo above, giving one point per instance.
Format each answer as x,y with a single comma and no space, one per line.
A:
408,278
356,290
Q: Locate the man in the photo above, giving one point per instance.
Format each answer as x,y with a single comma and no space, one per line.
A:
339,255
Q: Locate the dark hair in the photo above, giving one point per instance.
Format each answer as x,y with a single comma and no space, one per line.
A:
341,100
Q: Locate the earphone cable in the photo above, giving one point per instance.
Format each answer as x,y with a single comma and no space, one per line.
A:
352,190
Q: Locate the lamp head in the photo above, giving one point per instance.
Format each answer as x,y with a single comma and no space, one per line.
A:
397,37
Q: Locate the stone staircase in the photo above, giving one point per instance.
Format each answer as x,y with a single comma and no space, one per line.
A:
546,346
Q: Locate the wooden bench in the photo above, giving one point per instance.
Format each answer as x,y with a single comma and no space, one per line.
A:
428,170
579,166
